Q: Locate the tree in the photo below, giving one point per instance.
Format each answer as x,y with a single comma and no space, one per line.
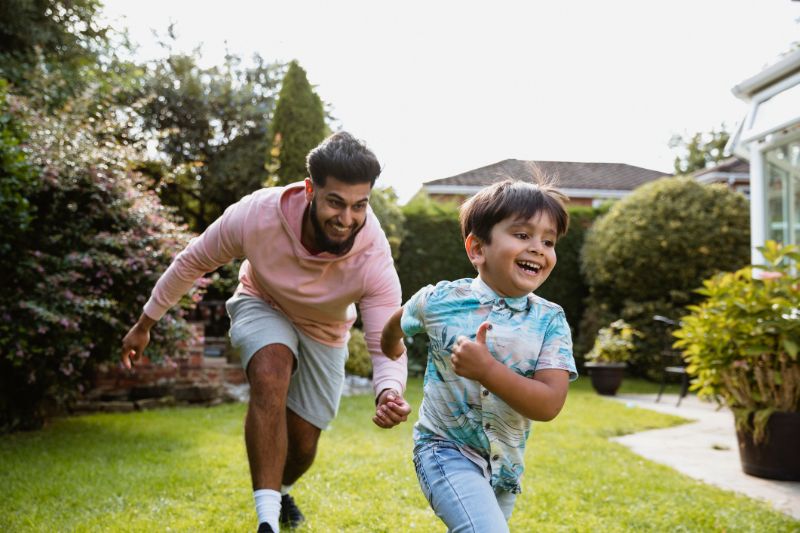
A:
85,248
298,126
60,36
701,151
211,126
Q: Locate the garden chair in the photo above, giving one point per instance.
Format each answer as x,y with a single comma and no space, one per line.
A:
672,364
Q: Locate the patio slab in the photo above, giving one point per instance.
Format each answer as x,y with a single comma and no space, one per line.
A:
705,449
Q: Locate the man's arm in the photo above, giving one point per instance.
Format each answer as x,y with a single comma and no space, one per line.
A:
389,374
219,244
540,398
391,408
377,304
136,340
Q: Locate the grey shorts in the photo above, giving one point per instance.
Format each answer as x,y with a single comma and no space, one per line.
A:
318,378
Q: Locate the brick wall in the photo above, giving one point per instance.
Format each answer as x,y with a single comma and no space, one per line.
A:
194,379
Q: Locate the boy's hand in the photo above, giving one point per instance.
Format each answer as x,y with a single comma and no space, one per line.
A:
391,409
471,359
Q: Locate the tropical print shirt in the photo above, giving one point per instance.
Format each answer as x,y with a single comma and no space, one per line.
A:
528,334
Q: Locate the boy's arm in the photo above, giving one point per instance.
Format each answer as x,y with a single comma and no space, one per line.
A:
390,406
392,336
540,398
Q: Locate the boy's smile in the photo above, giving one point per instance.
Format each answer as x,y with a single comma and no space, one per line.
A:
519,257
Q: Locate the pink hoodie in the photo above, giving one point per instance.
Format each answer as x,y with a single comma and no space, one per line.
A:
317,292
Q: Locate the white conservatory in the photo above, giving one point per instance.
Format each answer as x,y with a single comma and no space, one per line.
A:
769,137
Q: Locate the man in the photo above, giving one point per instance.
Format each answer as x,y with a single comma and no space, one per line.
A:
312,251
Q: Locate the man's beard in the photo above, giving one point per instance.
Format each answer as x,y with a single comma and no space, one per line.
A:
321,241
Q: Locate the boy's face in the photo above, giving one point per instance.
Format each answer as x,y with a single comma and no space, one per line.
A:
520,256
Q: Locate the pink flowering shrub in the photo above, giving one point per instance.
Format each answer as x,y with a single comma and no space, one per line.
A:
78,270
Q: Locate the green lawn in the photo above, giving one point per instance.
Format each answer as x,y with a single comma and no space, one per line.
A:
186,470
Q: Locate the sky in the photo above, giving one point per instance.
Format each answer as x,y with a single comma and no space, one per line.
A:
439,87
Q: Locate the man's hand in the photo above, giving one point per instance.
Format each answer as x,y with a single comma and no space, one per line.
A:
391,410
472,359
137,339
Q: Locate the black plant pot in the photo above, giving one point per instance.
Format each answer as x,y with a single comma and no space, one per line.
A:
606,377
777,457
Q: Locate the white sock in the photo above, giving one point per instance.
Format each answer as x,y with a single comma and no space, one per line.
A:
268,506
285,489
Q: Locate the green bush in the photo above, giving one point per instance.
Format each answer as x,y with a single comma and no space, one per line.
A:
93,242
614,343
743,339
648,253
383,201
566,285
432,249
358,362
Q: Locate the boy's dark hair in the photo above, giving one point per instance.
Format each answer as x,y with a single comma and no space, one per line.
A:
343,157
513,198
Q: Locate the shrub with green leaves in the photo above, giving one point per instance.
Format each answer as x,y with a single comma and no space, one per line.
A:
742,342
652,248
358,362
667,235
565,285
433,249
384,203
614,343
94,241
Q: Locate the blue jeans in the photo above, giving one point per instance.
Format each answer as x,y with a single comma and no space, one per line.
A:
459,492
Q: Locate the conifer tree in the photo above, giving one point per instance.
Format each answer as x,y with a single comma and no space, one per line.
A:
297,126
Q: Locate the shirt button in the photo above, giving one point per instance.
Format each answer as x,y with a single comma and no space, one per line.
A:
501,301
485,392
487,426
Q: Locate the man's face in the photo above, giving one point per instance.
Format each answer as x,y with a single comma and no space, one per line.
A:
337,213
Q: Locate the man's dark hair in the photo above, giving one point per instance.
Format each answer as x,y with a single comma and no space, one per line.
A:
345,158
512,198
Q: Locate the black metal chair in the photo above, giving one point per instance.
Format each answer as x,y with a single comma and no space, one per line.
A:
672,363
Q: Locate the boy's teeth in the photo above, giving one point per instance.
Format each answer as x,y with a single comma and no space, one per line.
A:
529,265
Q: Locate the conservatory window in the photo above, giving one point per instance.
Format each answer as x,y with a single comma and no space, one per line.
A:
783,192
773,114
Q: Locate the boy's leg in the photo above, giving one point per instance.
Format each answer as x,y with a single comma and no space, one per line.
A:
457,489
506,501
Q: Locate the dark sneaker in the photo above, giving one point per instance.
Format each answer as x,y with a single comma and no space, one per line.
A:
264,527
290,515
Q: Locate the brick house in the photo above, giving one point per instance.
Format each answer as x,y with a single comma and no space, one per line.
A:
585,183
733,172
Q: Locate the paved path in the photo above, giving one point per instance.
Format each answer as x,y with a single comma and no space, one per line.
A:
705,449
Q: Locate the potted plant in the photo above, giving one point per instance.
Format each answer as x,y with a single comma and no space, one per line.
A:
741,344
607,359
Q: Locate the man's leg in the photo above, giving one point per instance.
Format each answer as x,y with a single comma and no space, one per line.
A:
303,437
269,373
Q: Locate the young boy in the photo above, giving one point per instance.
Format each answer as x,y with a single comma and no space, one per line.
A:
499,356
